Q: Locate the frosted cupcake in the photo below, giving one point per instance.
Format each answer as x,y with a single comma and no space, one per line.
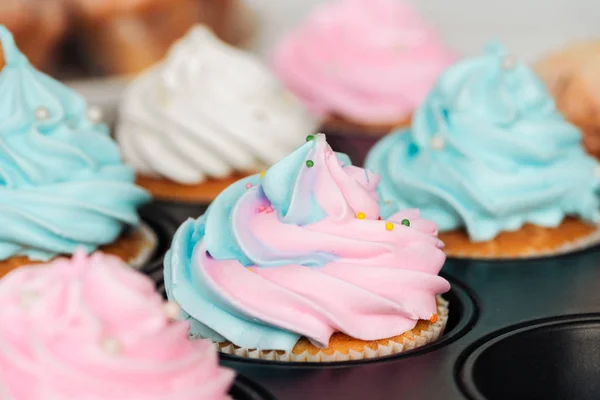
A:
573,77
62,182
91,328
491,161
296,265
208,115
363,66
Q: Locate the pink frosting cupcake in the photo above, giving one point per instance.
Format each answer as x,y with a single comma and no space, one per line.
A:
361,65
296,265
92,328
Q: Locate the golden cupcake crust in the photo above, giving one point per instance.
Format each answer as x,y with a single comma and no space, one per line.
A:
530,240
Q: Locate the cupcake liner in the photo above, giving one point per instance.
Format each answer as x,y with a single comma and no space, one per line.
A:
578,244
430,335
147,250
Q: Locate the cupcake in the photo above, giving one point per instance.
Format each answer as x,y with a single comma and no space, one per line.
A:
296,265
362,66
126,36
62,182
572,77
205,117
38,26
91,328
493,163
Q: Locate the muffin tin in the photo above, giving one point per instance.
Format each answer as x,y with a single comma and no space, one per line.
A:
526,329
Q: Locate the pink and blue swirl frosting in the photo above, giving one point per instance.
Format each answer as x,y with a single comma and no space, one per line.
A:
62,182
489,152
301,251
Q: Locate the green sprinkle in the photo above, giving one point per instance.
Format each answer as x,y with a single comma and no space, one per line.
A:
405,222
310,163
310,137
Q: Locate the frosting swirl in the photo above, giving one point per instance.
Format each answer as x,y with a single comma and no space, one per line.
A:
92,328
301,252
62,183
488,151
370,61
207,111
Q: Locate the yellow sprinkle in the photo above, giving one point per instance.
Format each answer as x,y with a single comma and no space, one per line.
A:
262,174
361,215
389,226
388,202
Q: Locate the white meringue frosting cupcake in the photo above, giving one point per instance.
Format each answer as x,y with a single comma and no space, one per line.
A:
207,115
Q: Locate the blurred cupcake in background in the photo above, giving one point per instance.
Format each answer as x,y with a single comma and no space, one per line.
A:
38,26
91,328
206,116
492,162
573,77
126,36
62,182
297,265
362,66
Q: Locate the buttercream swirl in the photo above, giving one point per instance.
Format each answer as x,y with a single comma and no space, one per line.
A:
488,151
207,111
301,252
62,183
92,328
370,61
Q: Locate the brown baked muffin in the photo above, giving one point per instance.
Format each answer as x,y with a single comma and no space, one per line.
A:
126,36
38,27
573,76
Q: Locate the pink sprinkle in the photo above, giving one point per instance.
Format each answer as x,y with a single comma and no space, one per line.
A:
270,210
261,209
248,185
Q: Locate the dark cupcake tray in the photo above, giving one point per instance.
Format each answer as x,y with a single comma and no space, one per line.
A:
525,329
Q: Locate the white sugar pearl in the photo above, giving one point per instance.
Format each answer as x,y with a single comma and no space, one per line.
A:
172,310
42,114
27,298
95,114
111,345
509,62
437,142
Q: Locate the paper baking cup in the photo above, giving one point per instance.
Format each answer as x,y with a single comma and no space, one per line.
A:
586,242
147,250
430,335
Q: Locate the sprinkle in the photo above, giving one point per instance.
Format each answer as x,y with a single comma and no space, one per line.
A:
389,226
111,345
388,202
509,62
42,114
361,215
95,114
171,310
379,218
405,222
433,318
27,298
248,185
310,163
310,137
262,174
261,208
269,210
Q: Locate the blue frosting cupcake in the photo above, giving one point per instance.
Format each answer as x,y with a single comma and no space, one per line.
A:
488,154
62,183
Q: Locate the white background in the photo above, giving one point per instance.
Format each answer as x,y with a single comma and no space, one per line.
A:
528,28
